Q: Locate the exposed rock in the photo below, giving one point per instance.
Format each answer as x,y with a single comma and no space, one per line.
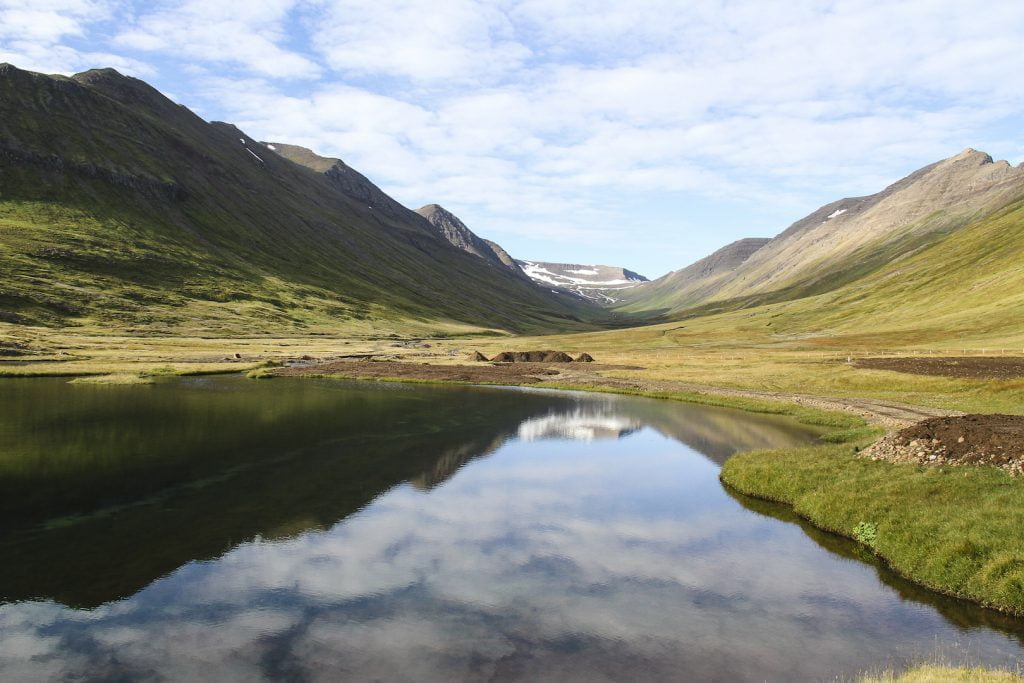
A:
585,358
451,228
479,357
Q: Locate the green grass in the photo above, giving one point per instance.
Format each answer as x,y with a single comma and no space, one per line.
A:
930,673
955,530
116,378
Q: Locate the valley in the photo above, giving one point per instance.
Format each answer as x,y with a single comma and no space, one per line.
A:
141,245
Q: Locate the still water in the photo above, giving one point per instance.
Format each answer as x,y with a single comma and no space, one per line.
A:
225,529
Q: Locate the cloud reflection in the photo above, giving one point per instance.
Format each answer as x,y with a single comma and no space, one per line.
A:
552,559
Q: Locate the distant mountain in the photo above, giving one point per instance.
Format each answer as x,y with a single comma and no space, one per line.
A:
697,281
601,284
842,242
596,284
120,209
451,228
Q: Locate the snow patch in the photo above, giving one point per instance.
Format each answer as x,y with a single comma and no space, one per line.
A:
584,271
271,147
254,154
837,212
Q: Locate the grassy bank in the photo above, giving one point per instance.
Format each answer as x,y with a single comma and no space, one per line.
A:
955,530
943,674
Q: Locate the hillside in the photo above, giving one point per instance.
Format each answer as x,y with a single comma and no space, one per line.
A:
694,283
121,209
845,241
604,285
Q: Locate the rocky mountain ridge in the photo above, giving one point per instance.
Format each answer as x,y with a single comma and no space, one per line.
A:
452,229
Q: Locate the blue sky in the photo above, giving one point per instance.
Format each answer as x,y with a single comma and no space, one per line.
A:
645,133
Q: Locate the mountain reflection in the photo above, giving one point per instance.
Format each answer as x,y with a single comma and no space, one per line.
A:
578,425
105,489
306,530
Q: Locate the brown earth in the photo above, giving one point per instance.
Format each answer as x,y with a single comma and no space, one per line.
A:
996,440
971,367
585,375
532,357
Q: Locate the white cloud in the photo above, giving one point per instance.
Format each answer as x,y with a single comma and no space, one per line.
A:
246,35
548,119
423,40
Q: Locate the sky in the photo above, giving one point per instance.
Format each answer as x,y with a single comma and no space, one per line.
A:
644,134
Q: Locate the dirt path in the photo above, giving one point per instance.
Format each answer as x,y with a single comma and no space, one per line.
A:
885,413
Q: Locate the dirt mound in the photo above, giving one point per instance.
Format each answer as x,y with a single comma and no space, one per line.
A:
479,357
585,358
974,367
996,440
532,357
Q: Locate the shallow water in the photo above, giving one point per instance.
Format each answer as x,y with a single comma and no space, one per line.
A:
226,529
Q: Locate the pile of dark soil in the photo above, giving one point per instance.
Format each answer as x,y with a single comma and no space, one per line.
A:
585,358
532,357
972,367
996,440
479,357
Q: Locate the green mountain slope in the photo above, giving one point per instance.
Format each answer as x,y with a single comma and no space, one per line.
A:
967,285
844,242
121,209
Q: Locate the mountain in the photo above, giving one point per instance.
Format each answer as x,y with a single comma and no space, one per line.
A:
697,281
600,284
452,229
845,241
120,209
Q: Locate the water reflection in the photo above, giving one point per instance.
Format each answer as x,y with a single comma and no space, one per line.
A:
579,425
352,554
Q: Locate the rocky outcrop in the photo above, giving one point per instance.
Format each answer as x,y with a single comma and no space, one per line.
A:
452,229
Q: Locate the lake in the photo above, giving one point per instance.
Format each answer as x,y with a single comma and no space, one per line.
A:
227,529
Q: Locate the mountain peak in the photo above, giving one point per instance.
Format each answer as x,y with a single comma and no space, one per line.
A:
971,154
451,228
101,73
